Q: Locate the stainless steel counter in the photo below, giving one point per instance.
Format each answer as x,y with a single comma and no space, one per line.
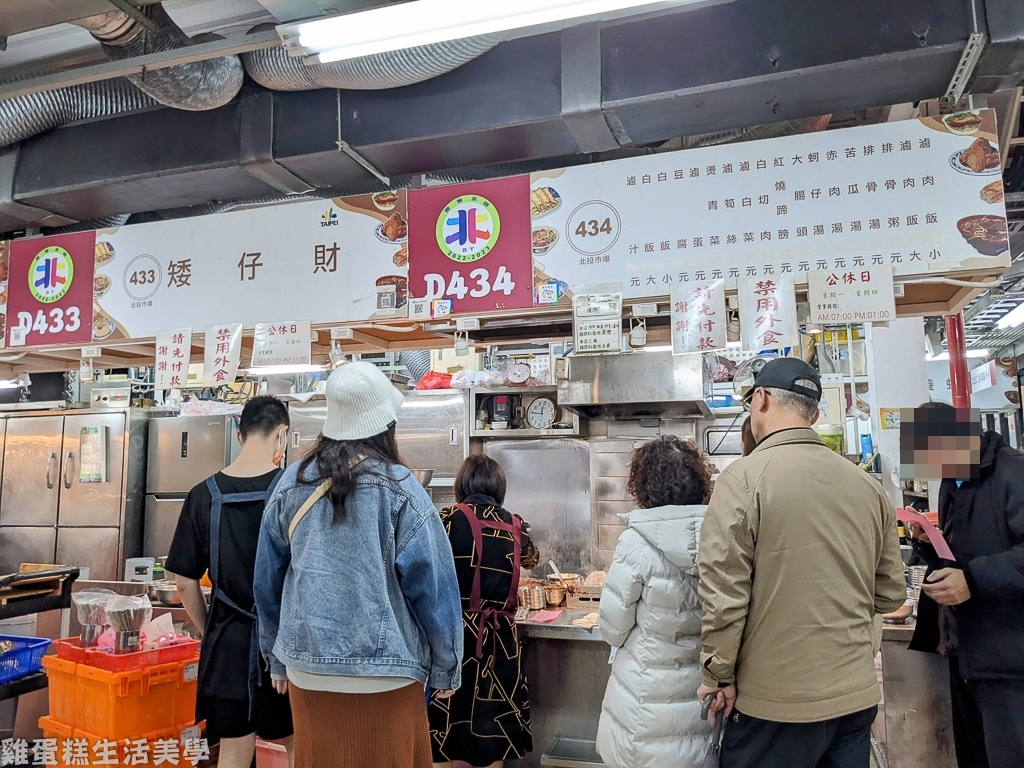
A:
567,670
561,628
918,721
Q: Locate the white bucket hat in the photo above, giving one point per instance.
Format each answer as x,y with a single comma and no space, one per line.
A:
361,402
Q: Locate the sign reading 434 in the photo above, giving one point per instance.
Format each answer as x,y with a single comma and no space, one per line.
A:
50,290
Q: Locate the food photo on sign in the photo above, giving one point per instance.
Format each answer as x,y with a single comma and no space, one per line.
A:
49,290
470,246
375,244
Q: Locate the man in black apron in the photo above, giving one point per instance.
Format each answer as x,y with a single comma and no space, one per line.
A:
217,533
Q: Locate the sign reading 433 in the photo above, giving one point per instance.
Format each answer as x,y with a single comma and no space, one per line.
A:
50,290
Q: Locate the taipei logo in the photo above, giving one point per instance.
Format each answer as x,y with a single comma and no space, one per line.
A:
468,228
50,274
329,219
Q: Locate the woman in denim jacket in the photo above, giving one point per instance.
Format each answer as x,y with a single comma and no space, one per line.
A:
356,589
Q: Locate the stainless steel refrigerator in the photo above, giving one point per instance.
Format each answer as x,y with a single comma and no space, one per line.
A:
72,488
183,452
430,429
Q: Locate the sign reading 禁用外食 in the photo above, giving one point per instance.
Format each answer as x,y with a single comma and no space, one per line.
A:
222,348
851,295
923,197
173,354
50,290
698,317
470,246
768,312
281,344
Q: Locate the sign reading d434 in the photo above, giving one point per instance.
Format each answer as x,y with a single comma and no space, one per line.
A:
469,246
50,290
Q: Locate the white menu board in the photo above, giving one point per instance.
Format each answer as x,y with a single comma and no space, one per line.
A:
918,196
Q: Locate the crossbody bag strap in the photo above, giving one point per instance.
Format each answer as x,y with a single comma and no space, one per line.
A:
319,493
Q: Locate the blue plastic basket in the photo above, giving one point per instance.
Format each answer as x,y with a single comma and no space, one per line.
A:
26,658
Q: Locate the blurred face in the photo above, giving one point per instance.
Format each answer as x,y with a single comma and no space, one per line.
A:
940,444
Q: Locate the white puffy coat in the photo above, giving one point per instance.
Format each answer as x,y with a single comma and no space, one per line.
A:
651,612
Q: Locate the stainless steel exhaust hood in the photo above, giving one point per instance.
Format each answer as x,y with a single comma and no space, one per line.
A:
635,386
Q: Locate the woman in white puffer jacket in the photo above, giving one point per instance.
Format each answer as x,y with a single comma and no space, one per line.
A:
651,615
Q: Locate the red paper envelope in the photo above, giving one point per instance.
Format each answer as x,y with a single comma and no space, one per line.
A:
934,534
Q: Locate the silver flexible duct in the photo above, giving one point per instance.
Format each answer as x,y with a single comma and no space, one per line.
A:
103,222
196,86
417,362
273,68
25,116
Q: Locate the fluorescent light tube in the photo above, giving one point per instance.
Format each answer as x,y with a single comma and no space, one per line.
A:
283,370
1013,319
425,22
971,353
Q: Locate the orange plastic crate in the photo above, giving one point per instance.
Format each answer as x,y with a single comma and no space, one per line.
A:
64,733
122,705
270,754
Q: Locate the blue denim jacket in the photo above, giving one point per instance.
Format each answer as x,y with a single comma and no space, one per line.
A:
372,595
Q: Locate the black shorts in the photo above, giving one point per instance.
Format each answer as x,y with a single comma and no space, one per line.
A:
229,718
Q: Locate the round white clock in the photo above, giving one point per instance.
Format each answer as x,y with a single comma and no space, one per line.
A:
541,413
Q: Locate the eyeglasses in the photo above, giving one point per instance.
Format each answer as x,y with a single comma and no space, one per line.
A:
749,397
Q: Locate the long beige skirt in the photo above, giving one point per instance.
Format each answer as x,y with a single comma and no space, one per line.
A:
361,730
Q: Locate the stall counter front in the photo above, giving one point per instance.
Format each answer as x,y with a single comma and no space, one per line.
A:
567,669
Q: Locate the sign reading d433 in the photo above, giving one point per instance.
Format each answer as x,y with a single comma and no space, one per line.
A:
50,290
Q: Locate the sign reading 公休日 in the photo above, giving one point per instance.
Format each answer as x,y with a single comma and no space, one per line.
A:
597,320
281,344
222,348
768,313
852,295
173,354
698,317
50,290
470,244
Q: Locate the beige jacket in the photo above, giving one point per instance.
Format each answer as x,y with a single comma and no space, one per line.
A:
798,554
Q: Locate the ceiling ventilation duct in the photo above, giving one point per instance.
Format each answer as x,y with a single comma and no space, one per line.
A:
274,68
195,86
24,116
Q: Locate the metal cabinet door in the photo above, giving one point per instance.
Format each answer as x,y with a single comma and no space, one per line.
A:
25,545
307,422
162,513
87,501
31,473
92,548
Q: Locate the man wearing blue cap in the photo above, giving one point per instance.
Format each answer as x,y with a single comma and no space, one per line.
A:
798,555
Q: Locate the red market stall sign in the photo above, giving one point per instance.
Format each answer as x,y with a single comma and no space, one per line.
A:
50,290
470,244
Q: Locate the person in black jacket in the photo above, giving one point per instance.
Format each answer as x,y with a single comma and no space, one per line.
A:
972,610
